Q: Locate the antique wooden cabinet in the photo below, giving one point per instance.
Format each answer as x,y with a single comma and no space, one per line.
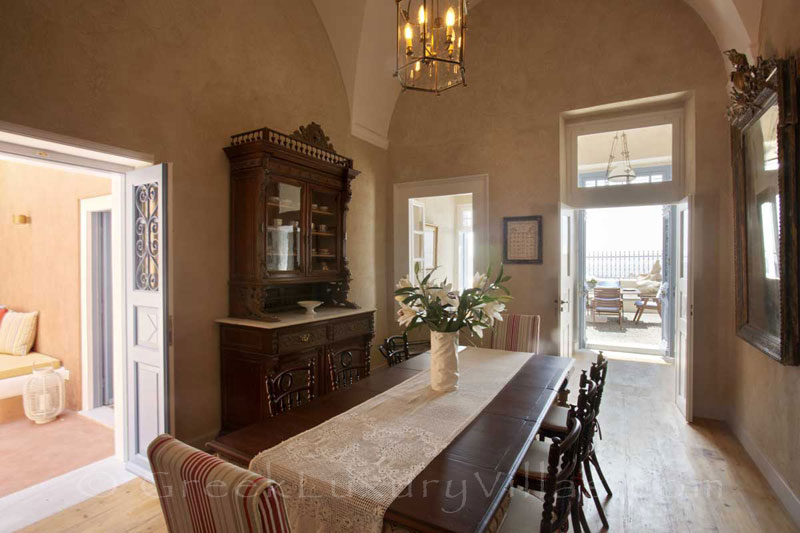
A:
289,198
288,204
252,350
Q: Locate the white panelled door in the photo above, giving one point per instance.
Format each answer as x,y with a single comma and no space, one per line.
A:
146,311
684,308
567,281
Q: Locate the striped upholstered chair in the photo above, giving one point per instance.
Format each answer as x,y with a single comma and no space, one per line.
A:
517,333
201,493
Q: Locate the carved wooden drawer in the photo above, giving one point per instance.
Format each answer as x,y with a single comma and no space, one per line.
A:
353,328
242,338
289,341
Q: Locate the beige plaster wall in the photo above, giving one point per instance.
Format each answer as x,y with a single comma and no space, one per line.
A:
527,63
766,405
40,266
175,79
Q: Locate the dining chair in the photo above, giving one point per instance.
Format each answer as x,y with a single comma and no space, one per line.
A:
284,394
345,369
598,374
398,348
517,333
554,426
608,302
200,492
557,503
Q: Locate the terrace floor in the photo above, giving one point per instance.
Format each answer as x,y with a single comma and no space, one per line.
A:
645,334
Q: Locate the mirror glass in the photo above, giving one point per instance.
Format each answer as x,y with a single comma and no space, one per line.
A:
763,204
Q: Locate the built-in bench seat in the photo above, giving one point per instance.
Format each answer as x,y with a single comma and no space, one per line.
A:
15,369
12,366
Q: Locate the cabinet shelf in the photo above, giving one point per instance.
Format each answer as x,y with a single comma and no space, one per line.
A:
292,210
324,256
323,233
320,212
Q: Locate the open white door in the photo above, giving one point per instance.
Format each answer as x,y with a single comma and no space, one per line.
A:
684,308
146,316
566,302
416,235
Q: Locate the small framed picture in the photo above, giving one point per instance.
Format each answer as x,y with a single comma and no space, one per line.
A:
522,240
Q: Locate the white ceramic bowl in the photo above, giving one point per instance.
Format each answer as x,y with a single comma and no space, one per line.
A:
309,305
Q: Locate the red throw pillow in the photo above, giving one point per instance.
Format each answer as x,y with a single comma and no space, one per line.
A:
3,311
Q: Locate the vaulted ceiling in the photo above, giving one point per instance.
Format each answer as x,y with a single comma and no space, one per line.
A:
358,31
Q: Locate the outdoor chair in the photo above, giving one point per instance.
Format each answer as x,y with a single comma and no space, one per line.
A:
608,302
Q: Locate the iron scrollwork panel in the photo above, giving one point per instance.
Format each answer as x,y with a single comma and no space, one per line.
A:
147,223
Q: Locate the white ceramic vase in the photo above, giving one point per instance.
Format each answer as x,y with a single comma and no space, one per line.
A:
444,361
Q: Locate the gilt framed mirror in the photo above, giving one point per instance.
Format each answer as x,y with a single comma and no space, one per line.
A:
764,142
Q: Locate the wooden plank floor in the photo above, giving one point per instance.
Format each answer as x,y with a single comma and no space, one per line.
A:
667,476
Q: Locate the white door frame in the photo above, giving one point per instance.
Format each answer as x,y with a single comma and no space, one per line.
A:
39,147
678,108
89,206
477,185
568,283
683,308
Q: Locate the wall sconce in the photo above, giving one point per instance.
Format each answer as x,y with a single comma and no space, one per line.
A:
21,219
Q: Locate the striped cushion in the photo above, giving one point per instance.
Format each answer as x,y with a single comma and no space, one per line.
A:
517,333
17,332
201,493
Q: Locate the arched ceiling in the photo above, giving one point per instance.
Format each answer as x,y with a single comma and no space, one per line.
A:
358,31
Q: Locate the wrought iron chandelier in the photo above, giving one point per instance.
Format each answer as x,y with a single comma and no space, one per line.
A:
620,170
430,44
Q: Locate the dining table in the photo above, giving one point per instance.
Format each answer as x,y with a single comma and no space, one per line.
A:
465,485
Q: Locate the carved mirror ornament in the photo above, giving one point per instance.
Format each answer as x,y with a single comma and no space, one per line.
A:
766,165
313,134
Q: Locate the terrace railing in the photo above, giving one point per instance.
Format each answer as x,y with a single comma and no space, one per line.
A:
620,264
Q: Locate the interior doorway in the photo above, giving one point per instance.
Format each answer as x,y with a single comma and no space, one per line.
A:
441,241
624,284
124,304
97,310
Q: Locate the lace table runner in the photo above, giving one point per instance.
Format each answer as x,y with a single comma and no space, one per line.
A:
343,474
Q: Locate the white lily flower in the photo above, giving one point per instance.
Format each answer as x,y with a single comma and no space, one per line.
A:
493,310
403,283
405,315
479,280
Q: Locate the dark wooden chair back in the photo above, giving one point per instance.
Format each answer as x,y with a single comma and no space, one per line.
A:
348,366
560,489
398,348
290,388
587,415
598,374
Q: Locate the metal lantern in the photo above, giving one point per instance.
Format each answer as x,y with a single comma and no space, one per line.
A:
43,395
619,169
430,44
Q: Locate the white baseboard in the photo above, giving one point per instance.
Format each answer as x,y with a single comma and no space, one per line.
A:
35,503
788,498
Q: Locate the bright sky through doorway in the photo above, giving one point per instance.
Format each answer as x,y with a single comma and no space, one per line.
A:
624,229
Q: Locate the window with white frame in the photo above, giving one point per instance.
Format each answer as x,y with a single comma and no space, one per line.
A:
619,160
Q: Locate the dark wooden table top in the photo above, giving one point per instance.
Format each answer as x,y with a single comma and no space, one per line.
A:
462,487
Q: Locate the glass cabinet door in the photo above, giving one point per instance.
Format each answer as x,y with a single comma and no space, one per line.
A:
284,208
324,231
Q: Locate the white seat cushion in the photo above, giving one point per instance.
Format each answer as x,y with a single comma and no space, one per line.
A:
524,513
556,419
534,464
